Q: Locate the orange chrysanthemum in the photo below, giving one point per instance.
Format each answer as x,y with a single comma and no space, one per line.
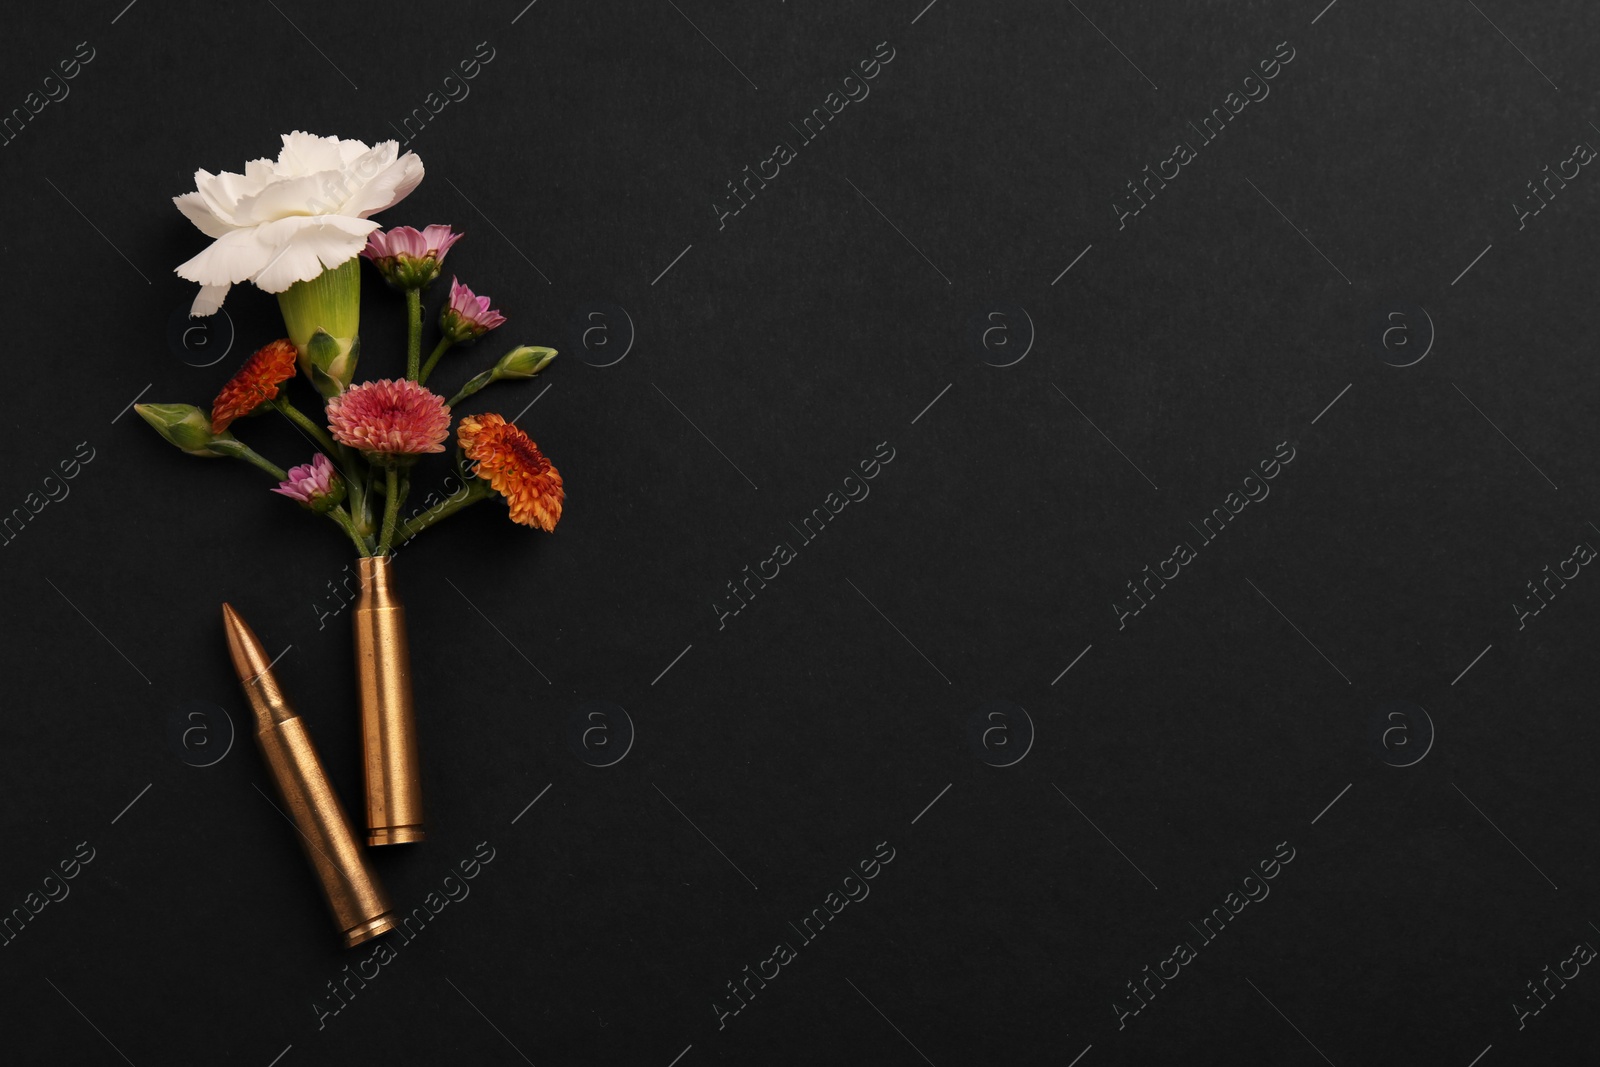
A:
255,384
508,459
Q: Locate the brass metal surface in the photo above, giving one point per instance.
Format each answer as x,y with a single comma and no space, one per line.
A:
360,907
388,721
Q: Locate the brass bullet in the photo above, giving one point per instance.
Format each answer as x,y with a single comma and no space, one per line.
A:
388,721
360,907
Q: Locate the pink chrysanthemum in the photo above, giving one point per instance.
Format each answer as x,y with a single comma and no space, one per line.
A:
313,484
468,315
409,258
389,419
432,241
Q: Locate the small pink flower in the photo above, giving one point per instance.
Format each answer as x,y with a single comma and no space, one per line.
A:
432,241
408,258
313,484
389,420
467,316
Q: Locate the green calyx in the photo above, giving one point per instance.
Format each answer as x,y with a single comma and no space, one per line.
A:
323,317
404,272
330,362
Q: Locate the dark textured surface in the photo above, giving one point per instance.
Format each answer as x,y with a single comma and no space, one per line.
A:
787,744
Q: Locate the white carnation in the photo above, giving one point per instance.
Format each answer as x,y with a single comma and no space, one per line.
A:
285,222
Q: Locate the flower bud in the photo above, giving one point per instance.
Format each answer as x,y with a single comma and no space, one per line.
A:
524,361
467,316
187,427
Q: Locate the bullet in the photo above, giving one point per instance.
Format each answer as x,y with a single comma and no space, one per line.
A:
388,720
360,907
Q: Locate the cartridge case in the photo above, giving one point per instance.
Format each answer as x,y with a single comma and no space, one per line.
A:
388,720
360,907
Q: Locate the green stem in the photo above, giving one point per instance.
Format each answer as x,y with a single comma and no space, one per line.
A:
413,332
433,359
477,490
287,409
347,524
240,450
391,510
473,385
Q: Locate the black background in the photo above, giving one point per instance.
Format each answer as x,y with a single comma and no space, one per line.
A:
1221,721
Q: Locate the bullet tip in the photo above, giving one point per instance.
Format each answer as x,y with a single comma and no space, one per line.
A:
249,659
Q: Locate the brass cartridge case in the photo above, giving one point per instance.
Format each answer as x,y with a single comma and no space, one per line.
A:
360,907
388,720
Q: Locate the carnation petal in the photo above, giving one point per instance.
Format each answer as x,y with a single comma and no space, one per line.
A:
197,211
390,186
322,193
234,257
306,153
259,170
305,246
222,192
351,150
208,301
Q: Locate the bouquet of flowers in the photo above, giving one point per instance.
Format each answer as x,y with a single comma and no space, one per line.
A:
299,227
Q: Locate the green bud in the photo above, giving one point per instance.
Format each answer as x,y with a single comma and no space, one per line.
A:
330,362
524,361
189,428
